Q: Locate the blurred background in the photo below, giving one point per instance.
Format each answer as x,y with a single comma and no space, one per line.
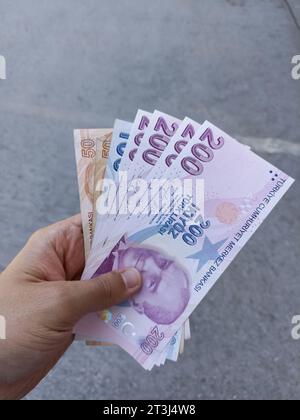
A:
74,64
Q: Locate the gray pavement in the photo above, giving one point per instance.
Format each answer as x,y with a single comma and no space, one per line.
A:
81,64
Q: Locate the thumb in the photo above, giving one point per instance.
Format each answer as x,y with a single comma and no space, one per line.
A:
84,297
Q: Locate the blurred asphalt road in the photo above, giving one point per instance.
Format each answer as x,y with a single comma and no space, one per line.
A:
73,63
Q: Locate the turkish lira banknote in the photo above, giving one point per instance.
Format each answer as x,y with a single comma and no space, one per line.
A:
99,153
92,152
181,248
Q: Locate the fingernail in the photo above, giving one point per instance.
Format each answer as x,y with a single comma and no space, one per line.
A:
131,277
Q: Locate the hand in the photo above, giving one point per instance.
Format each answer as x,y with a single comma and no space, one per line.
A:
42,299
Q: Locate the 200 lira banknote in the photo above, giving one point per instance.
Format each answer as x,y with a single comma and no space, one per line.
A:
183,251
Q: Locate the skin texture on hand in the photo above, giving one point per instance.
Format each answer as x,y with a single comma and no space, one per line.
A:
42,298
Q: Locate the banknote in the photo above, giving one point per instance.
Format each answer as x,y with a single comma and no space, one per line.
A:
110,147
172,351
135,137
140,125
182,253
149,134
85,142
154,203
157,131
92,166
187,330
182,344
120,137
103,151
136,218
92,151
186,132
103,144
173,147
161,129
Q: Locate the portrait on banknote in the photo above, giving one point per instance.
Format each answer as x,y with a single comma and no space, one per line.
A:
166,289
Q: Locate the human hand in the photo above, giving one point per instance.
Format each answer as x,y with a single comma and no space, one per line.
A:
42,299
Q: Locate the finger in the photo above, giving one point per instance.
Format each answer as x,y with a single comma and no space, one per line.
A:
83,297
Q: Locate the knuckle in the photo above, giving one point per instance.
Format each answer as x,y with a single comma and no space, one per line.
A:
111,288
105,284
39,235
47,233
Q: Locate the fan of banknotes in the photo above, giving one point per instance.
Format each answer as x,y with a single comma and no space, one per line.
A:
176,199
